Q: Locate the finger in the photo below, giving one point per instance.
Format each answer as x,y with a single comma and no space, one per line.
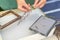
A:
40,3
28,9
36,1
29,6
22,9
26,6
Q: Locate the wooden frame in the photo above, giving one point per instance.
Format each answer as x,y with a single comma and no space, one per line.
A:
10,22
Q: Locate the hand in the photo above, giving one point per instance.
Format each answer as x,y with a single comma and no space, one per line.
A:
23,6
39,4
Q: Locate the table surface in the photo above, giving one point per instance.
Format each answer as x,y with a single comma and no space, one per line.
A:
22,30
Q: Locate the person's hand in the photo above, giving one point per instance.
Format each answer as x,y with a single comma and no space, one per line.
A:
39,3
23,6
